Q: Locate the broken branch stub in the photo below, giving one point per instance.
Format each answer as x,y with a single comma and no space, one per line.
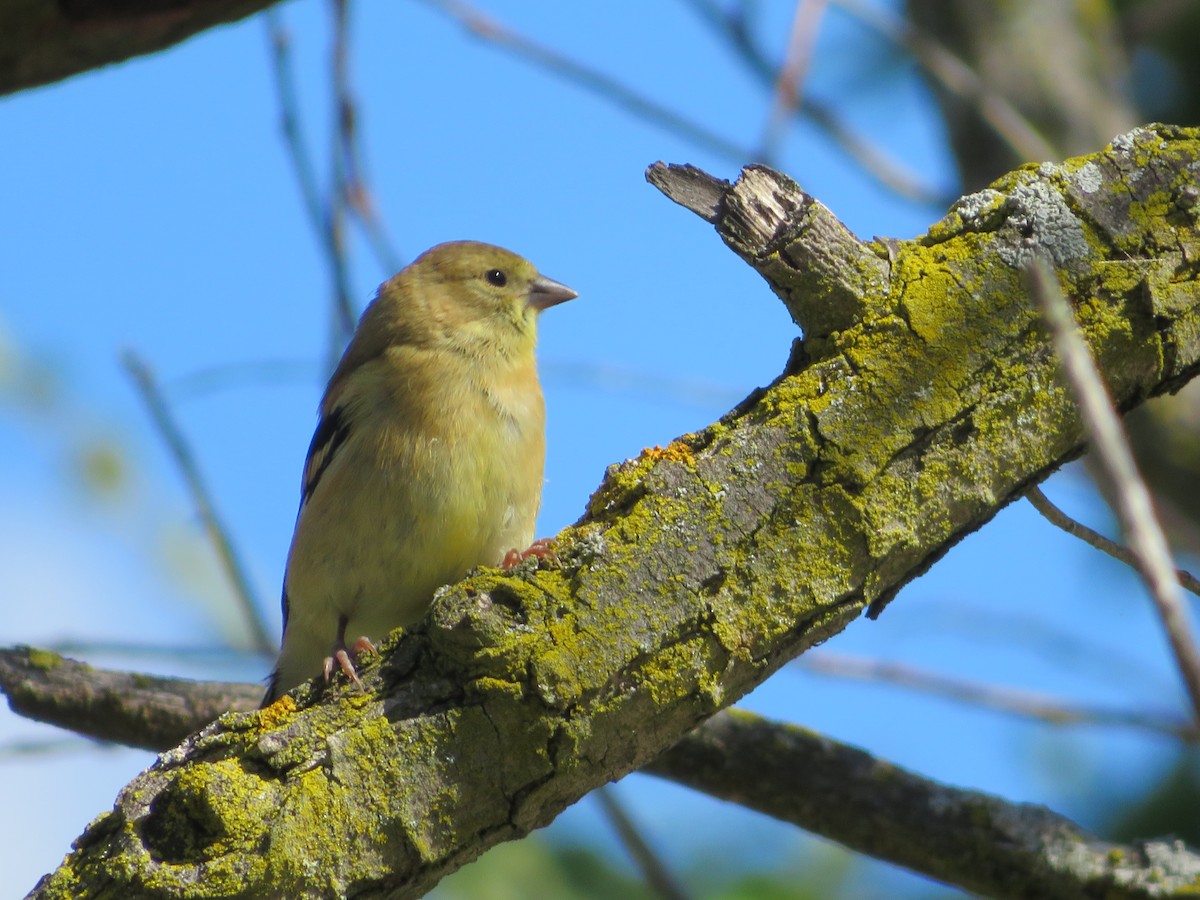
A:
825,275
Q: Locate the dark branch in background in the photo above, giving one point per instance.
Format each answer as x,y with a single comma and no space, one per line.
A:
967,838
128,708
216,530
1075,528
44,41
959,79
794,775
1117,475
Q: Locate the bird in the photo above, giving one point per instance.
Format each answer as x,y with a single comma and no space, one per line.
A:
427,459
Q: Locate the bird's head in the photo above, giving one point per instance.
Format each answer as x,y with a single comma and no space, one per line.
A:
480,297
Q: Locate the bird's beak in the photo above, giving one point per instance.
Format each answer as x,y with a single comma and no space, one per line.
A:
546,292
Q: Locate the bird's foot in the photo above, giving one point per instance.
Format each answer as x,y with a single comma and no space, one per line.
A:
542,548
343,657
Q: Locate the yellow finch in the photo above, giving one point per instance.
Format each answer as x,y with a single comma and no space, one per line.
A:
428,457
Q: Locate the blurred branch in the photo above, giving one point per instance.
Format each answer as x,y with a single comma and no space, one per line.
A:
1075,528
734,30
348,191
341,139
324,216
654,871
1059,62
1117,476
1020,703
129,708
1036,638
1025,141
143,379
491,30
43,42
806,25
289,120
350,183
980,842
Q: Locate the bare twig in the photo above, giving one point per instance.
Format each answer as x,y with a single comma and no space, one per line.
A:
353,191
201,498
289,120
499,35
654,871
1021,703
1120,483
1056,516
1036,637
1025,141
343,126
789,83
875,162
320,217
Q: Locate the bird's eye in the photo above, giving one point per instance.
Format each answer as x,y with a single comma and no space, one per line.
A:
496,277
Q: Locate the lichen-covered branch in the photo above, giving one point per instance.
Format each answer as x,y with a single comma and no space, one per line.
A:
128,708
976,841
699,568
43,41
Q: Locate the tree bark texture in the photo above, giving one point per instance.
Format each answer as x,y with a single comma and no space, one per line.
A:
923,398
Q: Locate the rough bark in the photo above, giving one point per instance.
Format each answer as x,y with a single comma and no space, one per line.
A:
701,567
977,841
42,41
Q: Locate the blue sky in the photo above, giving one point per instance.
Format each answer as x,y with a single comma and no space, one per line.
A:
151,206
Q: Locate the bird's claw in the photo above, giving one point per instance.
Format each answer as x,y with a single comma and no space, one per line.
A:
343,658
542,548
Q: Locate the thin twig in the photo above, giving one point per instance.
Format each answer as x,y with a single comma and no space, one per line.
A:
354,192
335,217
201,498
306,177
789,82
1008,700
289,119
1120,483
1075,528
1025,141
499,35
654,871
1035,637
734,29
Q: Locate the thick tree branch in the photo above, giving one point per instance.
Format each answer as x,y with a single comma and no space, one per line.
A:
43,41
975,840
700,568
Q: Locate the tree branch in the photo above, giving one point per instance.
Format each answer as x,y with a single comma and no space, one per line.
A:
700,568
978,841
42,42
974,840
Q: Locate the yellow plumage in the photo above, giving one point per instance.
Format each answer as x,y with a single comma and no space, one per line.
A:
428,459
